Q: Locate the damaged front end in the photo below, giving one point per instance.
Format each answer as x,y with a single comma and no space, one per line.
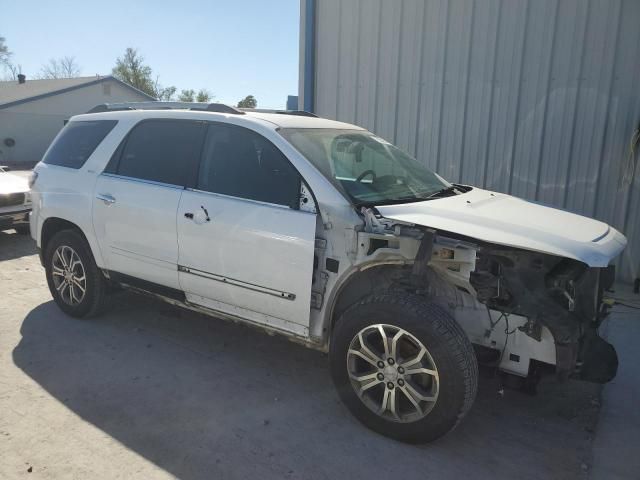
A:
561,294
523,310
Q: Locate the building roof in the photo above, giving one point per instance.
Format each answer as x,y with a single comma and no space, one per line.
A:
13,92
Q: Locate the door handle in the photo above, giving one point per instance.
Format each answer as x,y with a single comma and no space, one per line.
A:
106,198
198,218
206,214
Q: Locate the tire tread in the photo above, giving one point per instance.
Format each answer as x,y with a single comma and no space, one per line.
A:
99,296
447,330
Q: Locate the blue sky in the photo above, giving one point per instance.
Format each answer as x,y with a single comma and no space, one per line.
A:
231,47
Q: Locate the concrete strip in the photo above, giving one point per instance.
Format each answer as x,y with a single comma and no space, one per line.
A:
616,449
149,391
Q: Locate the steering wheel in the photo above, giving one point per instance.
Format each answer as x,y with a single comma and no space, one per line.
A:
365,173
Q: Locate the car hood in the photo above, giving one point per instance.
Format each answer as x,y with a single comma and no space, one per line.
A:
506,220
12,183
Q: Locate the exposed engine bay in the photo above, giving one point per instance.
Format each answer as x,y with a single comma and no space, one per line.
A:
524,311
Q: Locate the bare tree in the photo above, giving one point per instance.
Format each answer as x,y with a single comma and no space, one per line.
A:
64,67
5,54
164,94
10,68
14,70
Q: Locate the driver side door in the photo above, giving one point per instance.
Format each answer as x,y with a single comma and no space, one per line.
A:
245,247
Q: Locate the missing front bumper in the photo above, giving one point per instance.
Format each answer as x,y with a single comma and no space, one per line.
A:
598,360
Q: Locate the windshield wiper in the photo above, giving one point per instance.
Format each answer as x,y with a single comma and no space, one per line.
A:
450,189
400,200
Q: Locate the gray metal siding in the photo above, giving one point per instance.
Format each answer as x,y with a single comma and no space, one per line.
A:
537,98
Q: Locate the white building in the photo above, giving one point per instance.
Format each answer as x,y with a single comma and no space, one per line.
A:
33,111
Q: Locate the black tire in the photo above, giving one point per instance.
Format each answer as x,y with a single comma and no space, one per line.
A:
447,344
95,297
22,229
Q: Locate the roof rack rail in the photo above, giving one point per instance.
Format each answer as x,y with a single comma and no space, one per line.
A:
207,107
301,113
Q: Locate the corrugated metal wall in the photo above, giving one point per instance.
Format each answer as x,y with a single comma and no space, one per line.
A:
537,98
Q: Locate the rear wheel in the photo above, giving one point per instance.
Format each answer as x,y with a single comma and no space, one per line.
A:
74,279
403,366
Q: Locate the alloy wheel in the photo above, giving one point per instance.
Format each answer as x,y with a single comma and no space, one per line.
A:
393,373
69,277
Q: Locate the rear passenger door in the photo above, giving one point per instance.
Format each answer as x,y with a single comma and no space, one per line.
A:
137,197
246,248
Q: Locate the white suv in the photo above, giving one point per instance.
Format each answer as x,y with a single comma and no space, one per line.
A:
330,235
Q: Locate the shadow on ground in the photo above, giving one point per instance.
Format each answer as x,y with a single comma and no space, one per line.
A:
14,245
202,398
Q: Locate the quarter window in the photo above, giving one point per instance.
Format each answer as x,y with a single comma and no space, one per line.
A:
241,163
77,141
165,151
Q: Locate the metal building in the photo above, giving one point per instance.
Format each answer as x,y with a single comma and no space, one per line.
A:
537,98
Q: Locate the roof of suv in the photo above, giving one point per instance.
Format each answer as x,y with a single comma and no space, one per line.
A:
277,119
297,121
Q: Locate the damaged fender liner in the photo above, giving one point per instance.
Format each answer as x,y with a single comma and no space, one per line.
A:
561,294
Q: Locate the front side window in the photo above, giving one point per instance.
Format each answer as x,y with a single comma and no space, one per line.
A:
366,168
241,163
77,141
165,151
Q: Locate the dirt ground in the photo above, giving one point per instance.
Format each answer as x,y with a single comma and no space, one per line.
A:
149,391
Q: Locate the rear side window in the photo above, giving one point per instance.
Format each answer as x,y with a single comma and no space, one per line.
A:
241,163
76,142
165,151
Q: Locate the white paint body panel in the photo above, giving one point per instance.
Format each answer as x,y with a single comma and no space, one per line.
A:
256,246
137,233
506,220
67,194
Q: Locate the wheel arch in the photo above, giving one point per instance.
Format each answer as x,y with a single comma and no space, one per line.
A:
360,283
383,277
53,225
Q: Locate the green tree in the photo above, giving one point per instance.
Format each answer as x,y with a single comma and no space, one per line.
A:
203,95
132,70
248,102
187,95
166,94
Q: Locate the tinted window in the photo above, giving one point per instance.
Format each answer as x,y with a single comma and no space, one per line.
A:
242,163
76,142
164,151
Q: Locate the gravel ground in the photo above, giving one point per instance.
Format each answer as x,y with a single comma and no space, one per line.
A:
149,391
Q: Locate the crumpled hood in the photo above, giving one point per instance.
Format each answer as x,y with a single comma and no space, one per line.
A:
12,183
506,220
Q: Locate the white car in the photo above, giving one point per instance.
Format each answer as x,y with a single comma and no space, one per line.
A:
330,235
15,202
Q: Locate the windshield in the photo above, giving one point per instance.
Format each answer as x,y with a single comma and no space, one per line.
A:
368,169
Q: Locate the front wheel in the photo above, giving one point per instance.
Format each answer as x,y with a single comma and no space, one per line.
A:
74,279
403,367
